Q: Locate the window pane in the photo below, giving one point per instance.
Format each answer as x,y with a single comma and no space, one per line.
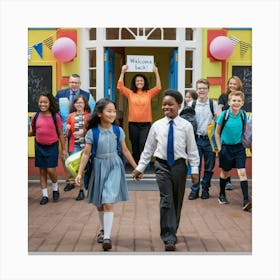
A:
169,33
189,59
188,78
92,78
112,33
189,34
92,34
92,58
93,93
126,35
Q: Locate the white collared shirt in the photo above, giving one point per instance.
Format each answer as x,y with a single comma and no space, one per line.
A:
184,143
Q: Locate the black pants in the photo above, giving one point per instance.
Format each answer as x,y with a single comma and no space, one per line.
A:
138,133
172,185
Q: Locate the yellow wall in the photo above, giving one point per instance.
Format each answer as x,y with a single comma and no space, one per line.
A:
213,68
36,36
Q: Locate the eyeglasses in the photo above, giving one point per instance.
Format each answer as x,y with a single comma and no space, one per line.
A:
202,88
75,83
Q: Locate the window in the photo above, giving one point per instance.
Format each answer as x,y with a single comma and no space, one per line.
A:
189,69
92,72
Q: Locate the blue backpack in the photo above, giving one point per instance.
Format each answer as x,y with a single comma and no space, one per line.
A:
89,166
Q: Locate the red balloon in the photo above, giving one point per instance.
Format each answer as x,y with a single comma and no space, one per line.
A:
64,49
221,47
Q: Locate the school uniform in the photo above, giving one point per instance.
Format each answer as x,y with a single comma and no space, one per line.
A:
107,183
171,180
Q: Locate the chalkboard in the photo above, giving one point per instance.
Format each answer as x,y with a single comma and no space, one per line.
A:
39,80
245,75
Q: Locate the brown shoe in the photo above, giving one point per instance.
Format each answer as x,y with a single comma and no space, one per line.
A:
107,244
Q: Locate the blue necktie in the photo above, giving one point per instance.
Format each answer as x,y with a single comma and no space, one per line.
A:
72,97
170,145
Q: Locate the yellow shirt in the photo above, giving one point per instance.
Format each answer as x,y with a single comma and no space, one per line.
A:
139,104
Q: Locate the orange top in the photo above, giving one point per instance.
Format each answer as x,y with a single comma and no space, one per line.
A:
139,104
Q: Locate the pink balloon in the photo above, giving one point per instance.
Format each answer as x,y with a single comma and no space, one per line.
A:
221,47
64,49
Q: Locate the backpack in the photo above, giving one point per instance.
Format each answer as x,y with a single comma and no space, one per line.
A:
246,128
188,113
89,165
36,117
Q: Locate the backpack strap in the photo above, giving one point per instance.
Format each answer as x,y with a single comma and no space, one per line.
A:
225,118
95,134
210,104
193,104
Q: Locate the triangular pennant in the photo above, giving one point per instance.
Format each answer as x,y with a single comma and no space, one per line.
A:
243,47
29,52
234,40
48,42
39,48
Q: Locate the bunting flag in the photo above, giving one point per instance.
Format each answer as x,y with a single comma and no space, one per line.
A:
234,40
244,47
48,42
39,48
29,52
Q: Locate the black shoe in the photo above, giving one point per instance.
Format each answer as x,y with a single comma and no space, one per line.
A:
107,244
193,195
81,195
222,199
100,236
247,205
55,195
205,194
44,200
69,187
170,245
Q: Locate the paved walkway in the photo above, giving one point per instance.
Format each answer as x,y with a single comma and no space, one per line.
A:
71,226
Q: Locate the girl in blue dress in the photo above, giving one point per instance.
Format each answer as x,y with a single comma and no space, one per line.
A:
107,184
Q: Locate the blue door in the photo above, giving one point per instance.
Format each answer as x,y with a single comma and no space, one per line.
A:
109,75
173,69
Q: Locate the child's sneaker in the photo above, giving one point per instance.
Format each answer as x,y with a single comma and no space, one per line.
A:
222,199
229,186
247,205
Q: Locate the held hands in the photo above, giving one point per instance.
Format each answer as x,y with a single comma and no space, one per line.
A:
136,175
194,178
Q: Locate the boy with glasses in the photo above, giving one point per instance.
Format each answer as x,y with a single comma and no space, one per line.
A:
205,111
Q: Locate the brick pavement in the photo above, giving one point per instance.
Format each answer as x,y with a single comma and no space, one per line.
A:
69,226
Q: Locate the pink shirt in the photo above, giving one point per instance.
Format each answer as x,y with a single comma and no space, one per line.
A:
45,129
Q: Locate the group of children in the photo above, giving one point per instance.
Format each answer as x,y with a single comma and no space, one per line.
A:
108,185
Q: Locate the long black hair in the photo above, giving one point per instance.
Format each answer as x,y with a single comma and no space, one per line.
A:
133,85
94,119
54,107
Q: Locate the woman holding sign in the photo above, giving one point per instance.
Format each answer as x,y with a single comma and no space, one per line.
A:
139,98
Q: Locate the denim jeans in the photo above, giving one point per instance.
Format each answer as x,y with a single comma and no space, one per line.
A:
205,152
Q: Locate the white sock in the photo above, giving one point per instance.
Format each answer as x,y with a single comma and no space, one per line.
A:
45,192
108,222
100,215
55,186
